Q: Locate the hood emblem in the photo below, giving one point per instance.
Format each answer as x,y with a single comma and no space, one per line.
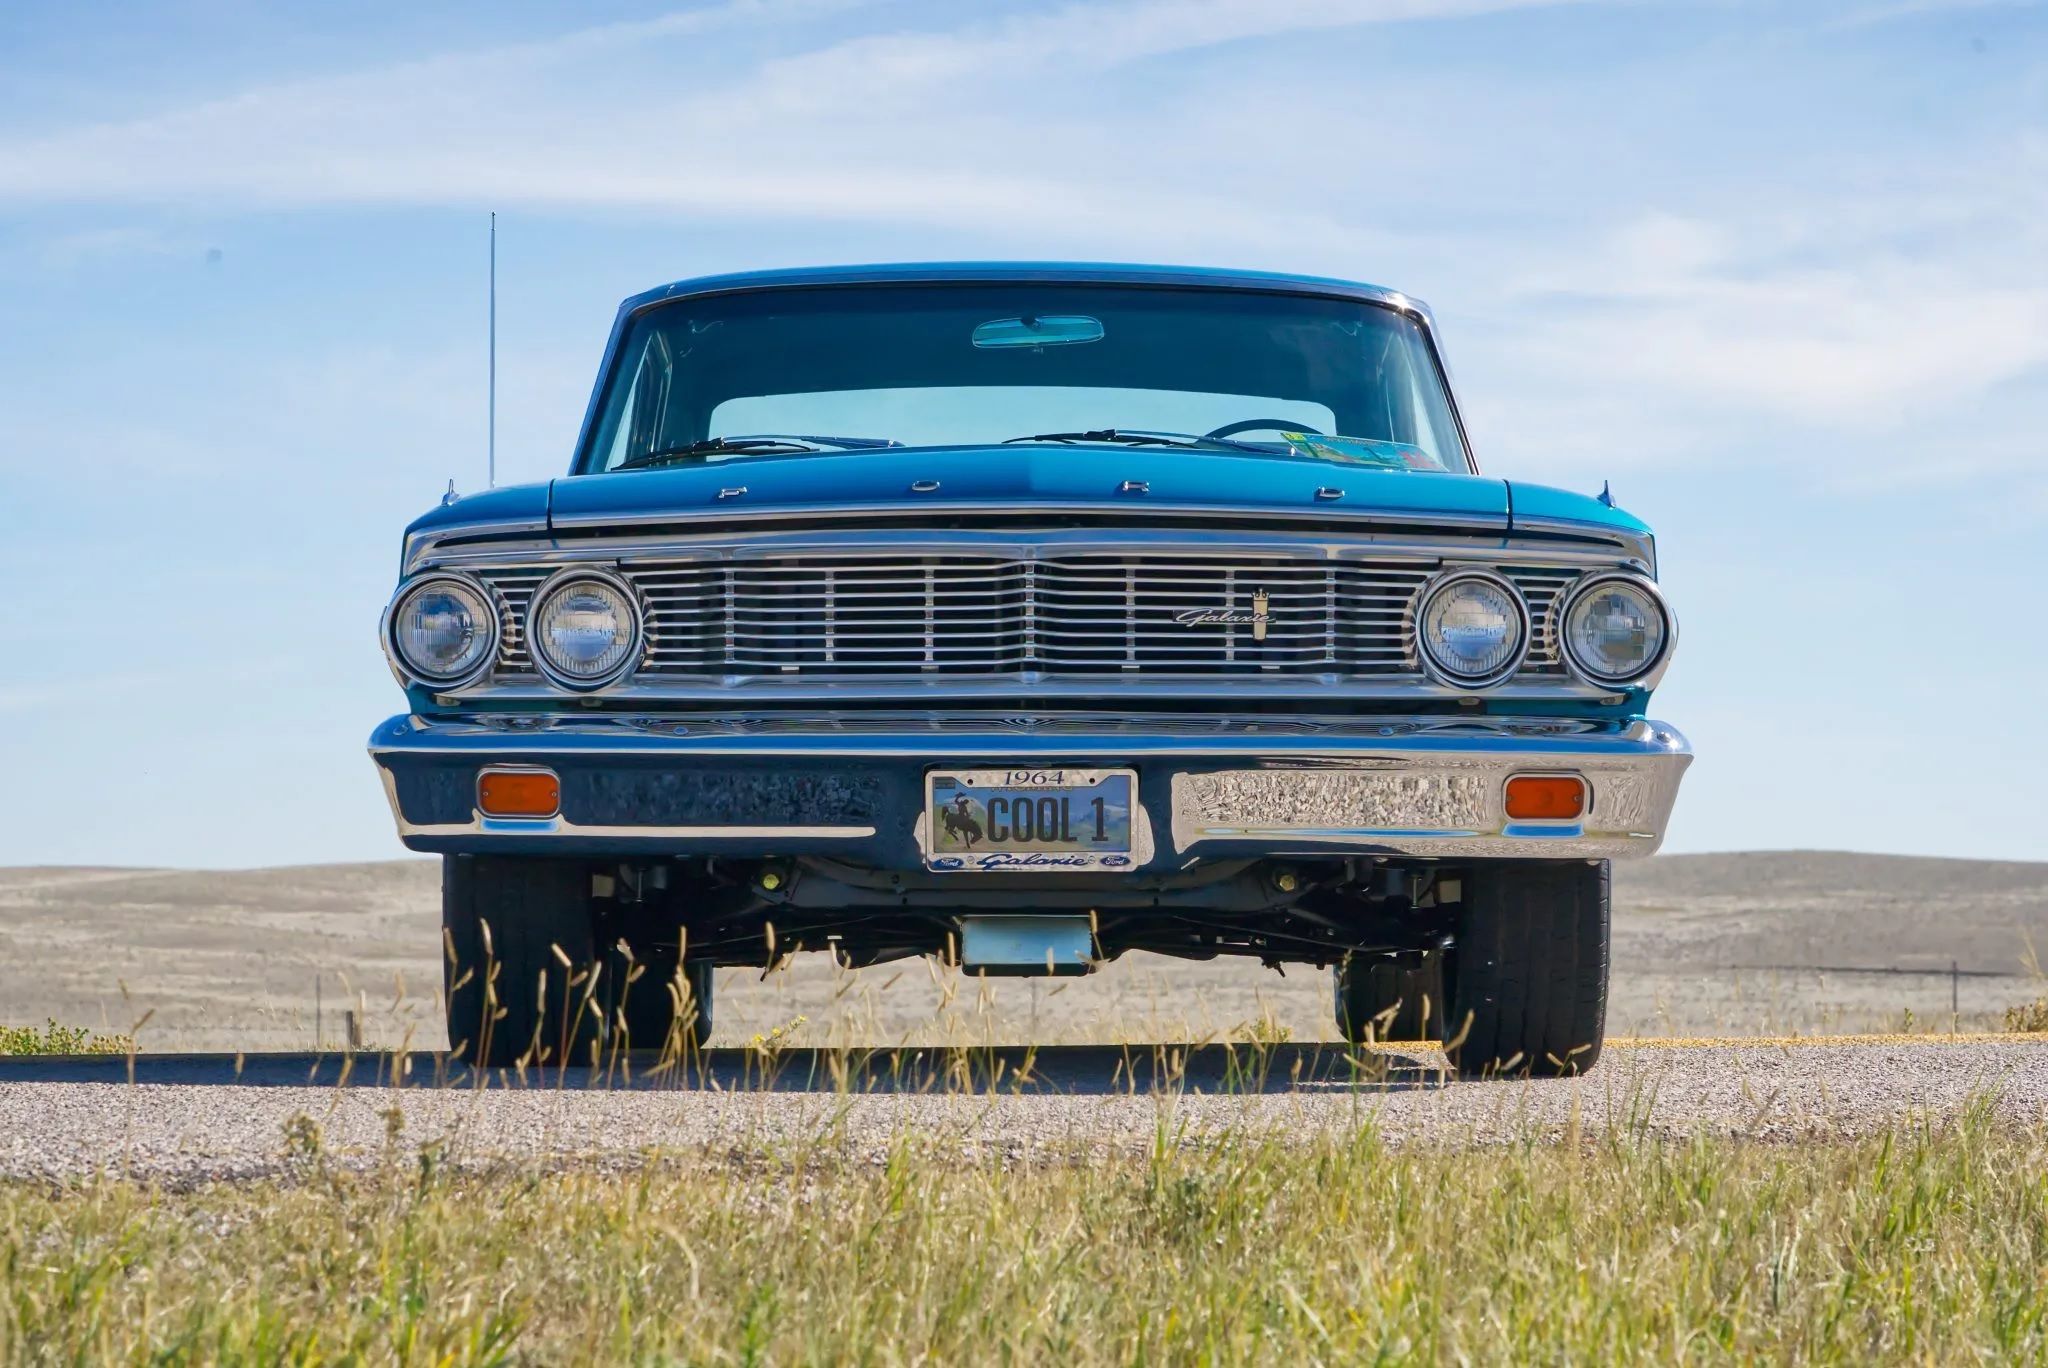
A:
1258,617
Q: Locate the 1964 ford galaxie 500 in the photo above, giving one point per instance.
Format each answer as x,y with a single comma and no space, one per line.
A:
1027,615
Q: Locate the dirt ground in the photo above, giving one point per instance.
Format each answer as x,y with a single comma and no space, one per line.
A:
1738,944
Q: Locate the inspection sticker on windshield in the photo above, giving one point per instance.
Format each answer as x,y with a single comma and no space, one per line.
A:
1362,451
1028,820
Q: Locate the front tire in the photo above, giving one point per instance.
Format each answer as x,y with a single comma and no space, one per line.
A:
538,971
1525,984
511,998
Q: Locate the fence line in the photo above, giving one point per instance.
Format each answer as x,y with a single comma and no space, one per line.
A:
1954,974
1950,972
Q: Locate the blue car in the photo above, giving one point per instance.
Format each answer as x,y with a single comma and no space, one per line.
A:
1025,615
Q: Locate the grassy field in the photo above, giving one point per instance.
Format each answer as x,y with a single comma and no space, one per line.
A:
1921,1245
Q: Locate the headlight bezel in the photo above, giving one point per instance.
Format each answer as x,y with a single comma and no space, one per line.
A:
492,614
636,613
1650,673
1442,582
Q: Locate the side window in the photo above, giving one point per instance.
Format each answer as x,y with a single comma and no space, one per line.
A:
643,423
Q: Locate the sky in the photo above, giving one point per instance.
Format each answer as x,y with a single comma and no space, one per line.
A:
1777,272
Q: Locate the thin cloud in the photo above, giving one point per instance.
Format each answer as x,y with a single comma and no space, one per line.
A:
634,117
1896,10
1094,37
1704,328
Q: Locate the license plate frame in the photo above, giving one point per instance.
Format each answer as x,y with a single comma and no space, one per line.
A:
960,841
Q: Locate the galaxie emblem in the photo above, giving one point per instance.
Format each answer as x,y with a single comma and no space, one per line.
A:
1256,618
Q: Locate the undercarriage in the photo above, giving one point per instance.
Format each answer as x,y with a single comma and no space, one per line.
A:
1314,912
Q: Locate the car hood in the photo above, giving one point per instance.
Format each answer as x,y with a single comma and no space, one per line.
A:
1033,478
1038,477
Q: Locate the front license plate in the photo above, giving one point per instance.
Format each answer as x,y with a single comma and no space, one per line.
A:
1028,819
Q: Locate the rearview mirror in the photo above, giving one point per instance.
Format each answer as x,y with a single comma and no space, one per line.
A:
1048,330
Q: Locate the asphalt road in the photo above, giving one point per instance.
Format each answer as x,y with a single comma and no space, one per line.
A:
199,1118
1048,1069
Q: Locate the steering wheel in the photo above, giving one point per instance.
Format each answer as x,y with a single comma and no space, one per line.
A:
1260,424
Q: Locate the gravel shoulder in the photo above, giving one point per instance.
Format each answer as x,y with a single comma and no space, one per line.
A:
195,1132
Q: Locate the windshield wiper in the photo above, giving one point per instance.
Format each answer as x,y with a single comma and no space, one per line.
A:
1132,437
762,444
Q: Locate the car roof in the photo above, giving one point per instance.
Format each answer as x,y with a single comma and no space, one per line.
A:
977,272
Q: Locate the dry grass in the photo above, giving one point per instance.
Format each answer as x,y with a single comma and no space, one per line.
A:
1925,1245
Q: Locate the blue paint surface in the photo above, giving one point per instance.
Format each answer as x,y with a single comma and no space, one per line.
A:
1046,474
1545,502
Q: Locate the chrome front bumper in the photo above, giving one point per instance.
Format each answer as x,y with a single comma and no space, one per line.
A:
850,784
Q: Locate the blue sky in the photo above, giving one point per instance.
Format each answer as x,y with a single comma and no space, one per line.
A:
1779,272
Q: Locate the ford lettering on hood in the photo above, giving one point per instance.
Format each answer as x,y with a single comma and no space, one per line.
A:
1048,476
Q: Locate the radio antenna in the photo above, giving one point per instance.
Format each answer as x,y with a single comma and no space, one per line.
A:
491,437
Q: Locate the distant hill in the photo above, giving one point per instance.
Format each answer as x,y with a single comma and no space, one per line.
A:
1775,873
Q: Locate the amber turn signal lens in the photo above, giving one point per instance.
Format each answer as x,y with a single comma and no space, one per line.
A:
518,793
1546,797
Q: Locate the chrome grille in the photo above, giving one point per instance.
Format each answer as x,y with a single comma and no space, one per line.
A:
1541,587
516,589
1075,613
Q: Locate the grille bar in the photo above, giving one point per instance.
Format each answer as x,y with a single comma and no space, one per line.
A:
865,615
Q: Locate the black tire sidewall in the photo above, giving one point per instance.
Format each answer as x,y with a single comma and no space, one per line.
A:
1525,984
513,1000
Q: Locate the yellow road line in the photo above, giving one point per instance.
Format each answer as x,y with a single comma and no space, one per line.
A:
1732,1042
1723,1042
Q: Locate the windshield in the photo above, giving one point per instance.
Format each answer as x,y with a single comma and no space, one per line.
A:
743,376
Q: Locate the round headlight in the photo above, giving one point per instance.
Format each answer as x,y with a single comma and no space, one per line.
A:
584,630
443,630
1474,628
1616,629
